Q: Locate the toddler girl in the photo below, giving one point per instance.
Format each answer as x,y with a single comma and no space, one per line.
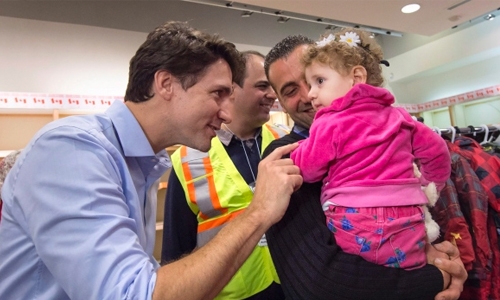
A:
363,149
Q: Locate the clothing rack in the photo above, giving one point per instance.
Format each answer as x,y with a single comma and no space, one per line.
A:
470,130
468,209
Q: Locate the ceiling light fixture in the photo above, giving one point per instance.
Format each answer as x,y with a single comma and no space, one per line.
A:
283,20
288,16
490,17
410,8
246,14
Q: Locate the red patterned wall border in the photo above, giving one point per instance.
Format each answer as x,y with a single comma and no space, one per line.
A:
100,103
55,101
449,101
64,102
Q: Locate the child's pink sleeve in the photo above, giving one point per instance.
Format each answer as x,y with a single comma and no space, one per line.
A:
431,150
315,152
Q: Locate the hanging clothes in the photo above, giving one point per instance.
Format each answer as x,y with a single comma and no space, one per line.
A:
476,178
454,227
5,165
486,166
472,241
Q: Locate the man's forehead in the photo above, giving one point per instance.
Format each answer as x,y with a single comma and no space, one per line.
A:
290,61
219,72
285,73
256,65
278,69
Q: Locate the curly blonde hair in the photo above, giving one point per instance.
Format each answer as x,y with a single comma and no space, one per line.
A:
342,57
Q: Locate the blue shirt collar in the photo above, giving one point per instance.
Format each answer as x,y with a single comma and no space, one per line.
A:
225,136
300,130
131,136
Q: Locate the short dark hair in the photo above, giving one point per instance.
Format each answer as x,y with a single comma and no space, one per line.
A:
184,52
246,55
284,48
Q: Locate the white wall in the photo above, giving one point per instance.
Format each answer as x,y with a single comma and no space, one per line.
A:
438,118
475,113
46,57
480,112
461,62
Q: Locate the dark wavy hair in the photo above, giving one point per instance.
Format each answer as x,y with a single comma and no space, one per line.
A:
284,48
184,52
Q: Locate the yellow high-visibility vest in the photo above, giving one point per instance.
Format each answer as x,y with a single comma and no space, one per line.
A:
216,193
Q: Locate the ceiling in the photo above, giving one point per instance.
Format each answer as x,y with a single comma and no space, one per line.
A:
261,29
434,16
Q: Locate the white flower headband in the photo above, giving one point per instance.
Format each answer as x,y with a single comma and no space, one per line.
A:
351,38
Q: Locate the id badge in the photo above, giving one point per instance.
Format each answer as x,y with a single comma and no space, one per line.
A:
263,241
252,187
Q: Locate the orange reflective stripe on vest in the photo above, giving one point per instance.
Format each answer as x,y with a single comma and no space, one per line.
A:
217,193
273,132
209,229
200,182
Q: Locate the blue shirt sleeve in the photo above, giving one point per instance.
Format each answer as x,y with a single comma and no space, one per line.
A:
71,222
180,225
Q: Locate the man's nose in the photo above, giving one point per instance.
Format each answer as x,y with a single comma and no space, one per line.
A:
224,115
311,95
270,93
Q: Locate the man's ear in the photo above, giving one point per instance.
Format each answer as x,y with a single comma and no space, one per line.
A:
163,84
359,74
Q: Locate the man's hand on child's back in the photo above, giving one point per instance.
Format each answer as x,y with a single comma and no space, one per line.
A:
446,257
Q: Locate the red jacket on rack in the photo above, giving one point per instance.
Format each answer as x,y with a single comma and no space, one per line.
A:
486,167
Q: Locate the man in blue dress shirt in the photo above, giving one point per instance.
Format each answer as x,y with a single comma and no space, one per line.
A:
78,218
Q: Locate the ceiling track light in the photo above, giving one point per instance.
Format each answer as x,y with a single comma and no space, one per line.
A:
246,14
282,20
490,17
286,17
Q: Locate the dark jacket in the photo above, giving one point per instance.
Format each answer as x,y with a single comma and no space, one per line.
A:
311,265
